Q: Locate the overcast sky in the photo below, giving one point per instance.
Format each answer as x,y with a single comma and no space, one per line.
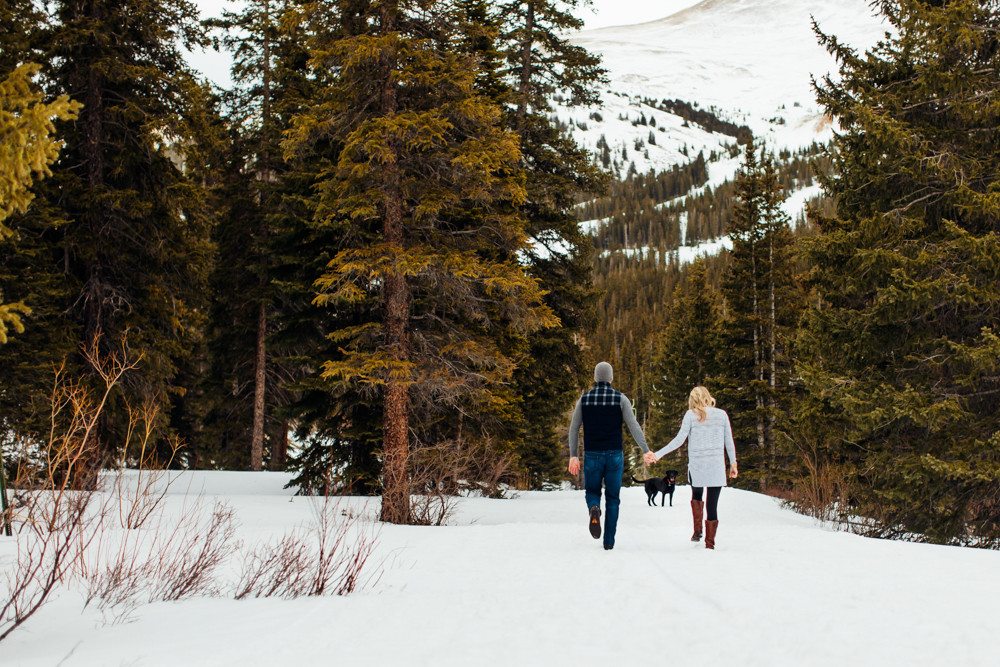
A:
601,14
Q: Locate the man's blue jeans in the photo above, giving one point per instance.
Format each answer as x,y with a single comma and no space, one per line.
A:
606,467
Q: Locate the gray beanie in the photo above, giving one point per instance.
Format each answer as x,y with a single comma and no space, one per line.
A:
603,372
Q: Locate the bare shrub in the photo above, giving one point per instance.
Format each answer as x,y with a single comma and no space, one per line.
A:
64,533
174,560
53,511
821,491
441,472
339,562
188,560
275,569
42,557
336,563
141,495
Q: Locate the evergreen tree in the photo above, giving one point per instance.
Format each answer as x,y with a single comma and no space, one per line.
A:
541,59
687,356
338,425
27,148
762,305
532,60
28,359
132,253
427,168
899,350
244,384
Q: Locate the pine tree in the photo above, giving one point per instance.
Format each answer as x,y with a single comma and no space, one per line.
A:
28,359
27,148
762,305
533,59
244,383
131,254
687,355
428,169
542,59
899,348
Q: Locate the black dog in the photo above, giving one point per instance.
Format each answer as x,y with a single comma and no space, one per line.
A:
656,485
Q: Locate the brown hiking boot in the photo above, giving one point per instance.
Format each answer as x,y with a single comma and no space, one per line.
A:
595,522
697,506
710,528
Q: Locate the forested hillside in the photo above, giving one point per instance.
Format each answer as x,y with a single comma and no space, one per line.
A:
387,258
637,266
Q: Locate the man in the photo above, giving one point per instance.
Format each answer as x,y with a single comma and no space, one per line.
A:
601,412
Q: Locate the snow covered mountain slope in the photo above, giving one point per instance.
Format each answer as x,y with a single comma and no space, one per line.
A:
752,59
521,582
749,61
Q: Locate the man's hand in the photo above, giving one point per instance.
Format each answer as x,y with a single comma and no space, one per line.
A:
649,458
574,466
733,472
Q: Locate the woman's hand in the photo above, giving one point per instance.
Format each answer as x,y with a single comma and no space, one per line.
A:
733,472
649,458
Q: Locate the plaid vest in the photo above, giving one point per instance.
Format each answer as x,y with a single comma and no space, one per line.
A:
602,418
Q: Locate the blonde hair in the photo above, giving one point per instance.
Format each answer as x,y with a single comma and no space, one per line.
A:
699,400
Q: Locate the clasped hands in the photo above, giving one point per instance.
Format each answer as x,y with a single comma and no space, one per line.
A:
649,458
574,462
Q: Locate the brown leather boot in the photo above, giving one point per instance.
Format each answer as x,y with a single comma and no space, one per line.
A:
710,528
697,507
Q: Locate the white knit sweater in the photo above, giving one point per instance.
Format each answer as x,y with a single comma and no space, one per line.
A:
708,442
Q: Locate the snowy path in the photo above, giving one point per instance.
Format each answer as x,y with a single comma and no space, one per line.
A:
521,582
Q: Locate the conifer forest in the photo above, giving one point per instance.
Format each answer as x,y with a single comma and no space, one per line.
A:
380,262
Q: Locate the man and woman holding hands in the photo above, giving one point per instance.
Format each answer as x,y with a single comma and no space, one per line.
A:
602,411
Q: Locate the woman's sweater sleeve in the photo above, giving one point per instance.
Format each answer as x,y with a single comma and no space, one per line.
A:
730,444
679,438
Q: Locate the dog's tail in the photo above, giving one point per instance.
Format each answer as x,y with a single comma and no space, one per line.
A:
637,481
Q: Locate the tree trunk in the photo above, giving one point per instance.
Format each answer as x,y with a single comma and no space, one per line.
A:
96,217
757,342
396,426
4,507
774,366
266,176
525,89
260,379
93,127
279,452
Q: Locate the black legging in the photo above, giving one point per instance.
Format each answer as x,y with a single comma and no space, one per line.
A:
712,506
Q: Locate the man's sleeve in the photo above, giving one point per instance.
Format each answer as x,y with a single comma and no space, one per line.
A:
633,425
574,429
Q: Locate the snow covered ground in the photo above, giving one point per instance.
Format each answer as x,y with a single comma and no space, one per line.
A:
521,582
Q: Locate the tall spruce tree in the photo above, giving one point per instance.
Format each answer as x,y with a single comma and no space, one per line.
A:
244,385
534,60
687,355
338,425
25,278
899,350
762,303
27,148
427,168
132,253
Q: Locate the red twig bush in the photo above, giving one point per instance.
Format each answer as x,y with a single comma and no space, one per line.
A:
329,557
119,545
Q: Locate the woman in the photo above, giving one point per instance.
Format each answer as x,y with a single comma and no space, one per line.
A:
710,438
